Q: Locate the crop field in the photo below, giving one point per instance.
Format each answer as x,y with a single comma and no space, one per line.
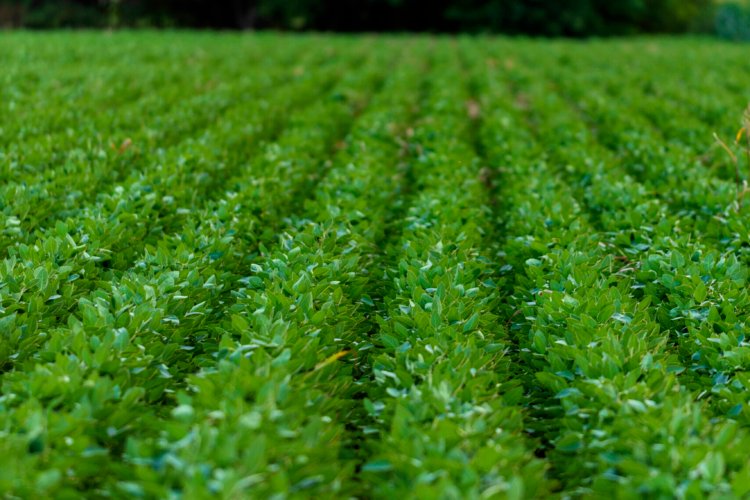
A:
290,266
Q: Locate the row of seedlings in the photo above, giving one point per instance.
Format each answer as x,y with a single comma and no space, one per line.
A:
441,397
71,186
128,341
596,347
283,380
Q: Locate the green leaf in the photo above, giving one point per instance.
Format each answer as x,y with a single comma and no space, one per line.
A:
377,466
471,322
240,323
699,294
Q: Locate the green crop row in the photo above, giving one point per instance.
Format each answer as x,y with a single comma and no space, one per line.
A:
610,360
266,266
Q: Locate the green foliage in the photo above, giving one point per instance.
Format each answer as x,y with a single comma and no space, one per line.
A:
580,17
733,21
376,267
537,17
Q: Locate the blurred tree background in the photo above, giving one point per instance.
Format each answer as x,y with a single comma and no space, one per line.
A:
532,17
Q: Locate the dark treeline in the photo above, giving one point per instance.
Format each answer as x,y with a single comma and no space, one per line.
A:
534,17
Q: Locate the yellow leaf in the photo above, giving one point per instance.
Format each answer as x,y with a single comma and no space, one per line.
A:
330,359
